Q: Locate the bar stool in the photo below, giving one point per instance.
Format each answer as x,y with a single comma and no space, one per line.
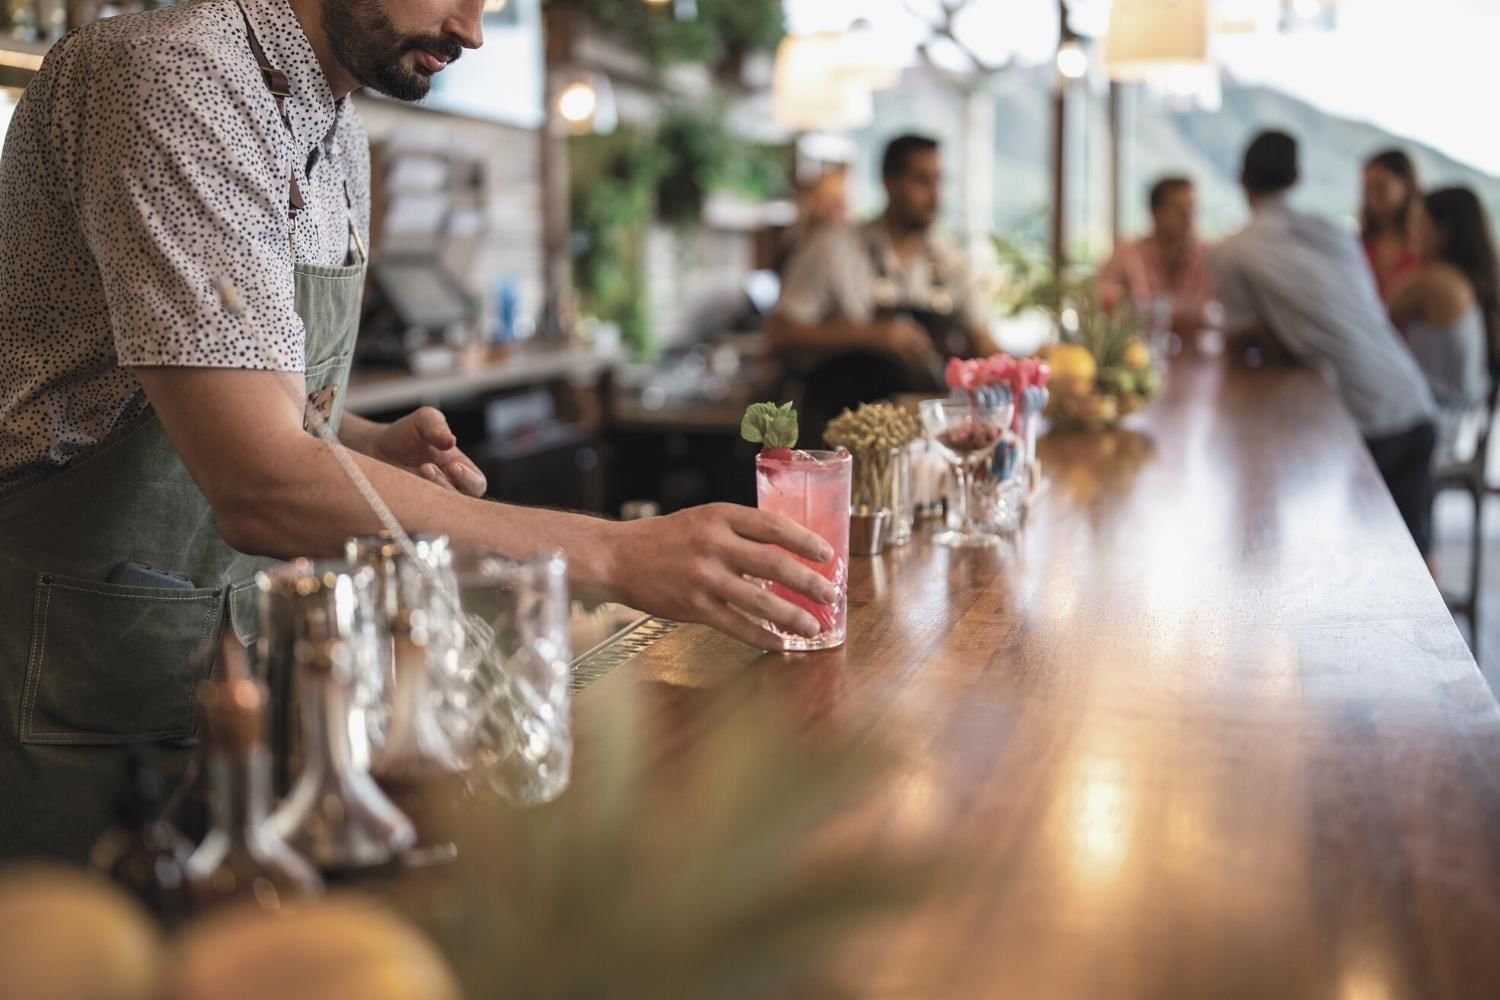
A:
1471,476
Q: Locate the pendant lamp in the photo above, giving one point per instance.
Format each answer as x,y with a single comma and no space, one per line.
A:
1148,36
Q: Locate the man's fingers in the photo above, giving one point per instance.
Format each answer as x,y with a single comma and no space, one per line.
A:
761,603
737,626
433,474
467,478
774,529
433,428
768,563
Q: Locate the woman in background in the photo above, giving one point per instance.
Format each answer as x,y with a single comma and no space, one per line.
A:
1450,310
1391,196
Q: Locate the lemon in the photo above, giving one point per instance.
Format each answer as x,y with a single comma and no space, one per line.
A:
1072,362
71,936
1136,355
334,949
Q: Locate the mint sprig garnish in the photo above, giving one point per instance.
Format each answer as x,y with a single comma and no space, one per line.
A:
769,425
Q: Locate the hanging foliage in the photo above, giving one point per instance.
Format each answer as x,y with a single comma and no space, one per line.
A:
721,33
612,199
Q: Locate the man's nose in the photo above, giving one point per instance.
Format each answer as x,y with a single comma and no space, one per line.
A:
467,24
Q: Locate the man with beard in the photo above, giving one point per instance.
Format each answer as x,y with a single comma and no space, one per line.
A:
184,202
873,311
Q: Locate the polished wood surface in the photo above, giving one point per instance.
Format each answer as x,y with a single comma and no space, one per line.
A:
1204,730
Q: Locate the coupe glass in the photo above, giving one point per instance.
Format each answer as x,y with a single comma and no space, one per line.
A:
966,432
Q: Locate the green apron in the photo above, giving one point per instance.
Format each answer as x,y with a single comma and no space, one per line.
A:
87,666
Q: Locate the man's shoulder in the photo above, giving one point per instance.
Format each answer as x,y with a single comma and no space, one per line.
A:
834,242
162,45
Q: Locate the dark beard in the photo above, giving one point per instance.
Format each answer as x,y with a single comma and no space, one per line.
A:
367,44
901,223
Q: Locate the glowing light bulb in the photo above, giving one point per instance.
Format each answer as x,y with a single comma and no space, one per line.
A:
577,102
1072,60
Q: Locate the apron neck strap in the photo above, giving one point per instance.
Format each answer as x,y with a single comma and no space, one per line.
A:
280,88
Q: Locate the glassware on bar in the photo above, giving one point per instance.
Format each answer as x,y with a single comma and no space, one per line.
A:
903,497
516,617
997,494
143,853
928,480
812,488
426,585
243,859
335,813
966,430
417,765
305,602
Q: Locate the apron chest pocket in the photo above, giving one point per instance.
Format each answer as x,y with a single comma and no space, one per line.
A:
111,664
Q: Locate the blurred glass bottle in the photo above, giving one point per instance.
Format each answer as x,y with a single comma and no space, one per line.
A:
143,853
335,814
243,858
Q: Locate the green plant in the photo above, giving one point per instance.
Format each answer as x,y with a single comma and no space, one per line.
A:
621,182
721,33
702,156
612,198
725,873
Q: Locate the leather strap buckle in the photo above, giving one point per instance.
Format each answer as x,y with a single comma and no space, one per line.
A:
276,81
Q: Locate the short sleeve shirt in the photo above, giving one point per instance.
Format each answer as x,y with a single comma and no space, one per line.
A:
834,277
1305,280
146,164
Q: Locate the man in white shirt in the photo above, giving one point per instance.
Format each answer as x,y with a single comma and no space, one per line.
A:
869,311
1297,285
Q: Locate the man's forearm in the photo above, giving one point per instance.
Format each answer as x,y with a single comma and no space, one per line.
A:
359,434
308,507
982,341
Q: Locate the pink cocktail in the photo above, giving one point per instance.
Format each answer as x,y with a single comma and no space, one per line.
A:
812,488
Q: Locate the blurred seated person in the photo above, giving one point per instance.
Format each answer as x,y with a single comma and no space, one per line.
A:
823,203
1392,195
1168,269
871,311
1448,308
1296,287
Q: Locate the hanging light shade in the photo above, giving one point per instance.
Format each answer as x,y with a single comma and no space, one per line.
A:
1237,17
865,57
1148,36
809,92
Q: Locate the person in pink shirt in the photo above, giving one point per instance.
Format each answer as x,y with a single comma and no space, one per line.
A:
1169,268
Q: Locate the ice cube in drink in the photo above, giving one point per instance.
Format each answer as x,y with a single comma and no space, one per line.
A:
812,488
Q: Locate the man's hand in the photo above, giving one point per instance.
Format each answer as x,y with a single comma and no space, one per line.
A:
421,443
692,566
902,338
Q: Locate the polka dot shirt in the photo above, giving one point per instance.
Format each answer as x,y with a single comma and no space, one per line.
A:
145,162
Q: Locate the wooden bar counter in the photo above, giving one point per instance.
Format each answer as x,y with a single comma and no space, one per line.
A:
1206,727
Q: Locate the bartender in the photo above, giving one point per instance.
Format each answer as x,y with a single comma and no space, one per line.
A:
184,207
873,311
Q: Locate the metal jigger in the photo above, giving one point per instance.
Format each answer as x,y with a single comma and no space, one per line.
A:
319,640
336,814
309,602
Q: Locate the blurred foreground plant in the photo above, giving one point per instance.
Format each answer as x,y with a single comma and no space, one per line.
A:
726,871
